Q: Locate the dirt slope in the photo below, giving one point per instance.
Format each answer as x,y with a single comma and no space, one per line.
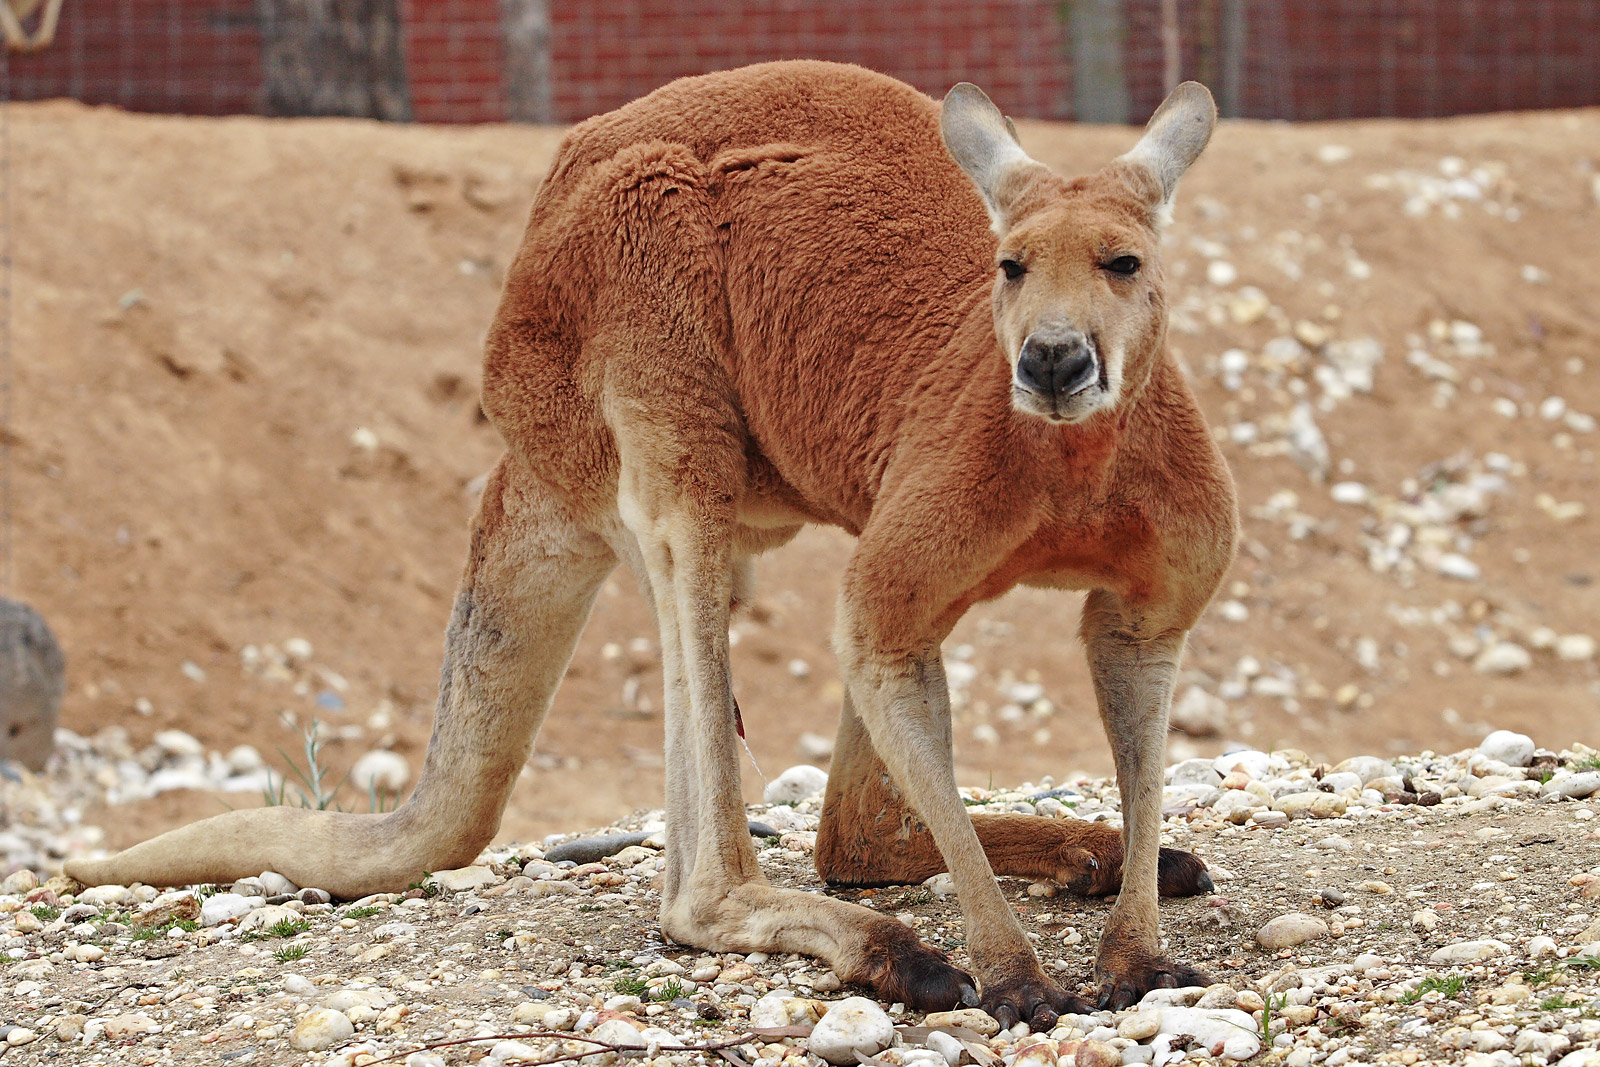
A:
246,417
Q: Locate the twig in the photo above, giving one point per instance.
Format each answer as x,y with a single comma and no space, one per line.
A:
600,1046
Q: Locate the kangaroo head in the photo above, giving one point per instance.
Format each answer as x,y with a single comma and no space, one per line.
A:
1079,296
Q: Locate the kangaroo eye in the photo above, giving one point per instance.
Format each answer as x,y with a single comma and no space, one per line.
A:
1013,269
1123,265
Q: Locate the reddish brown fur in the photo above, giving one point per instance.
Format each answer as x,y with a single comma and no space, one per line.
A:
838,267
768,297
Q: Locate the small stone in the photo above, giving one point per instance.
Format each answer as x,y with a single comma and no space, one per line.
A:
783,1008
1221,273
1503,657
70,1027
1139,1025
1468,952
1455,565
220,907
1581,784
1194,772
1575,648
1097,1054
1541,945
299,985
1295,928
85,953
381,771
320,1028
852,1025
276,885
21,1035
947,1046
268,917
122,1027
973,1019
1032,1053
800,782
463,879
1222,1032
19,883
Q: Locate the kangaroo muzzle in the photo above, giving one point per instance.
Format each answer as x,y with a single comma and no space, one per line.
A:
1057,364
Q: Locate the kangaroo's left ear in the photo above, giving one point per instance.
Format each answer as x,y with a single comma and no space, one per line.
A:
1175,136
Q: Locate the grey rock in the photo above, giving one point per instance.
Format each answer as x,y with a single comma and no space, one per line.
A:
593,849
32,679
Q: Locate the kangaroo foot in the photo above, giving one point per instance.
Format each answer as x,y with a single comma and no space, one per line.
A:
1029,997
901,968
1125,976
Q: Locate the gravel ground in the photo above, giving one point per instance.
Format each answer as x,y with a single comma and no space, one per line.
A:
1424,909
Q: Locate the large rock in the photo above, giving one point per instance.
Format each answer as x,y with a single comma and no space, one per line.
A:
32,678
801,782
852,1025
1512,749
1287,931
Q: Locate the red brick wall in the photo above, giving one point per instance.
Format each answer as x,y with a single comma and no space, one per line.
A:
149,55
1306,59
604,54
453,55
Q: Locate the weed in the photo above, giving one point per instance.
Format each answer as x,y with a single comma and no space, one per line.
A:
913,897
148,933
591,907
1587,763
311,789
504,935
632,986
1541,774
1539,977
670,990
1451,987
427,886
1266,1016
288,927
290,953
45,913
1585,963
364,912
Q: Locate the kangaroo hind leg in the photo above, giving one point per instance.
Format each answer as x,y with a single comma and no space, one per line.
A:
529,583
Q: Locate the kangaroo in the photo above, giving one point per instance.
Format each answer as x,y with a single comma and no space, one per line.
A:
804,292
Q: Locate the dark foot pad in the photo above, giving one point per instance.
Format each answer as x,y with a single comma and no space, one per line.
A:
1124,986
1033,999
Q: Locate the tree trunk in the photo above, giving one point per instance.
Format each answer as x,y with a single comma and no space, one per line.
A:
334,57
525,32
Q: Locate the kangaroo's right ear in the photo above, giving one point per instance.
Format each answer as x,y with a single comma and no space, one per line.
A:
983,143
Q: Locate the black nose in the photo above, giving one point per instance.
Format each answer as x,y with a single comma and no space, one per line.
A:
1058,367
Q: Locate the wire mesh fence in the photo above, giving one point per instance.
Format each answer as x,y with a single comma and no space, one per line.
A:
560,61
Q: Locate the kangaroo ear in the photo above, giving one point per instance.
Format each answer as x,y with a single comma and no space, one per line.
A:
1175,136
983,142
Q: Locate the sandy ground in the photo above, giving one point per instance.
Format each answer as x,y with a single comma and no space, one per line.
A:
247,362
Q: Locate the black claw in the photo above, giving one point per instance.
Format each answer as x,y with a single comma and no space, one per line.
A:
969,996
1042,1019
